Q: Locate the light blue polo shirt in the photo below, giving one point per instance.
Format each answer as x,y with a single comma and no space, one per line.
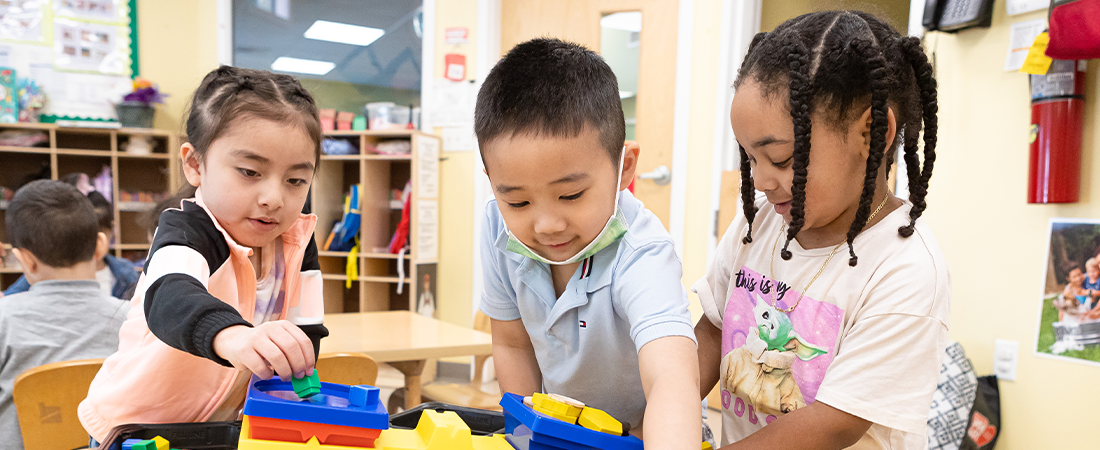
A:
620,299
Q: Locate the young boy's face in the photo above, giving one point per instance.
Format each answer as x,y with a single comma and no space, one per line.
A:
1093,271
1076,277
555,193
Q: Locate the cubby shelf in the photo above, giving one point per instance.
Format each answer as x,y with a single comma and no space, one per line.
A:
87,150
375,287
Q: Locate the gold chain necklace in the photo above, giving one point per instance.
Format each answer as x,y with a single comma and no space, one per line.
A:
819,271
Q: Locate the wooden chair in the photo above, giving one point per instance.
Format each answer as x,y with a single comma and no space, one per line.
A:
347,368
470,394
46,398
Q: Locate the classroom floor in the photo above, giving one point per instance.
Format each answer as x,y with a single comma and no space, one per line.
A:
389,380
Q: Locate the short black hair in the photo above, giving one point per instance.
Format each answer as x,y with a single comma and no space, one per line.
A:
53,221
843,62
105,214
553,88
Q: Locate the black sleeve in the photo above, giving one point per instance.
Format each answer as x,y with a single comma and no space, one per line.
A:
178,308
186,317
315,333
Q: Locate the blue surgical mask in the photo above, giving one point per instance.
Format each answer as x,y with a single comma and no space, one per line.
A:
612,231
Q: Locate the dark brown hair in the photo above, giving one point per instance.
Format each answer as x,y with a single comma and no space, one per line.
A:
229,94
69,236
551,88
841,62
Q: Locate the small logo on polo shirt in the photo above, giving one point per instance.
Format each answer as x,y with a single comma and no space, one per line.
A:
584,324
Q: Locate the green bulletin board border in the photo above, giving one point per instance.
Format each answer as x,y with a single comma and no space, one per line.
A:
135,66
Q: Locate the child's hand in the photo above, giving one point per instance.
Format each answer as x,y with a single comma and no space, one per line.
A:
278,347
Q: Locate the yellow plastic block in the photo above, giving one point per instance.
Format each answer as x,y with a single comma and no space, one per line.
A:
558,407
706,446
597,420
162,443
439,431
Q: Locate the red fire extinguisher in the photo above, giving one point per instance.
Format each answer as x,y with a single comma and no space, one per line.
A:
1057,121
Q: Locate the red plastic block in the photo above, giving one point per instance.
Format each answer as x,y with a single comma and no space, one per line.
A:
269,429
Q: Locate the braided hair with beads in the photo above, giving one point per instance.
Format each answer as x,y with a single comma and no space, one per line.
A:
841,62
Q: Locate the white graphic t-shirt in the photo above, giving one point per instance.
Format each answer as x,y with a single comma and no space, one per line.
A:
866,340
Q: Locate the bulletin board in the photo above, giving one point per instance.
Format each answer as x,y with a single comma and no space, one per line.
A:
82,53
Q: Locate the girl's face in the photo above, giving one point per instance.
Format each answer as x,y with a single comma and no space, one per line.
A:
838,159
254,178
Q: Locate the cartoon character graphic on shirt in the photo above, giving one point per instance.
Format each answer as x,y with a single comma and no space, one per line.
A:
761,369
768,366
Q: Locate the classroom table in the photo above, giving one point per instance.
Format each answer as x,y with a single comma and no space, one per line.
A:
404,340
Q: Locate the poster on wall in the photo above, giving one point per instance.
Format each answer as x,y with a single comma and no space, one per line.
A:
1069,308
21,20
90,47
104,10
424,289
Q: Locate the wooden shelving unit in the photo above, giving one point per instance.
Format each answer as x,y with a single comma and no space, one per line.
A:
375,288
89,150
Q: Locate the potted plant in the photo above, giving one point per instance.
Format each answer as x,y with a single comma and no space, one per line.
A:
138,107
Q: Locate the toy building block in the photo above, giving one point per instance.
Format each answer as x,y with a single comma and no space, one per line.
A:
707,446
156,443
363,395
439,431
332,406
129,444
526,429
267,429
435,431
597,420
307,386
559,407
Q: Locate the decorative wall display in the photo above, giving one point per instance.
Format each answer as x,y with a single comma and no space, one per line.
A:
1069,307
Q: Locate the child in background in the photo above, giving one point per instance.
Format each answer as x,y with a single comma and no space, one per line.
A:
63,316
117,277
813,355
581,281
1091,282
232,285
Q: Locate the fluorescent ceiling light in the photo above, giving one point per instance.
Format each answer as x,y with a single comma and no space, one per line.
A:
343,33
626,21
625,94
307,66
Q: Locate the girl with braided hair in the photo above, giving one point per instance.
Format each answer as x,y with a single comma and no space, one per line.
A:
232,286
810,352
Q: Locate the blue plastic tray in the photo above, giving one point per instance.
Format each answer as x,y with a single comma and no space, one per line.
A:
276,399
526,429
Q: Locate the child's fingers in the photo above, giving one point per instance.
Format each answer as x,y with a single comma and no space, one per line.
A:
305,344
291,348
271,352
256,364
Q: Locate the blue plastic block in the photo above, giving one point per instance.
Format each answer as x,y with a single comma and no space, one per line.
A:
129,444
363,395
526,429
332,406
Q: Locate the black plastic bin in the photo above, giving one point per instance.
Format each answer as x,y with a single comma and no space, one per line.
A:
481,422
224,435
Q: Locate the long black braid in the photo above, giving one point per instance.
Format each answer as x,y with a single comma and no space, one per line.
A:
880,124
801,99
748,192
918,180
836,62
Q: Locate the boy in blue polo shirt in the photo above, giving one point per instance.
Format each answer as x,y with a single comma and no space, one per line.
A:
581,281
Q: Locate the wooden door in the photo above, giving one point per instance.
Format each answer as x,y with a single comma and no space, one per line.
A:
579,21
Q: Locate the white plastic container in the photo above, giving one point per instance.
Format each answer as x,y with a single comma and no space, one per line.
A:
386,116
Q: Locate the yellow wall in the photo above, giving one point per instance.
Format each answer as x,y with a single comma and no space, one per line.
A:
456,179
178,46
995,243
775,12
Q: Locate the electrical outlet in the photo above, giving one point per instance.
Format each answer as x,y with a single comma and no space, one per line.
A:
1005,356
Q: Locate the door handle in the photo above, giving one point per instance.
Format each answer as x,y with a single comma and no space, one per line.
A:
661,175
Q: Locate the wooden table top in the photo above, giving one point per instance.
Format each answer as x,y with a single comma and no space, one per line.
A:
401,336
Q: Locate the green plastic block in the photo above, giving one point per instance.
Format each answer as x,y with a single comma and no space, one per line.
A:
147,444
307,387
